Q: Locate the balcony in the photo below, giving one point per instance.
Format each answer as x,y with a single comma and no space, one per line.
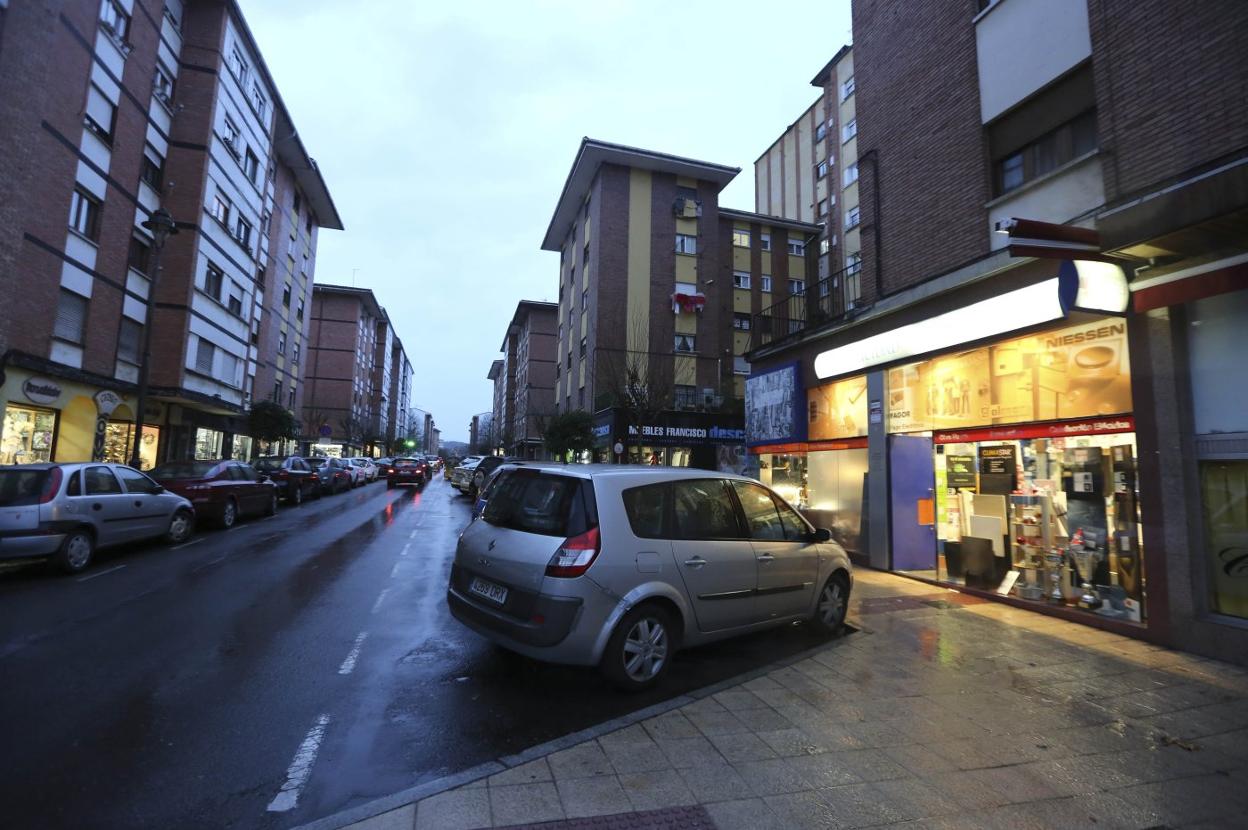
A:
830,299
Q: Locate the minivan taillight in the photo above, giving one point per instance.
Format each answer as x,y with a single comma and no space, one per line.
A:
575,555
51,486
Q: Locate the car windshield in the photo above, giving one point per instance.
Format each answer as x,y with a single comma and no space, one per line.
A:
532,503
405,462
21,488
184,469
267,464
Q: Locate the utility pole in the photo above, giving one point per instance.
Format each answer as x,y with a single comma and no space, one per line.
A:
162,226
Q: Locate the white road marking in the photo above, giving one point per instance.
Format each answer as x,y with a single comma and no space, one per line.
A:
412,535
348,665
100,573
395,570
300,768
201,566
187,544
406,548
380,599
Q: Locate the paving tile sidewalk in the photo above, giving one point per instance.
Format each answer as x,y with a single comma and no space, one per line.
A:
942,712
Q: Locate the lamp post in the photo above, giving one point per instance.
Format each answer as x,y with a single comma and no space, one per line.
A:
162,226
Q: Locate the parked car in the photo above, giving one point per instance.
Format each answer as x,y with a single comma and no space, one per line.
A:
68,511
221,491
294,477
356,469
462,476
369,468
406,471
333,475
482,472
492,481
620,566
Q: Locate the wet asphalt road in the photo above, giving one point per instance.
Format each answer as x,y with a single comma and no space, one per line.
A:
176,687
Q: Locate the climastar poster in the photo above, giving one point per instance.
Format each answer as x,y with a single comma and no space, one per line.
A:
1075,372
838,410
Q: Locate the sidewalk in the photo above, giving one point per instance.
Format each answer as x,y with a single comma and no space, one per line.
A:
944,711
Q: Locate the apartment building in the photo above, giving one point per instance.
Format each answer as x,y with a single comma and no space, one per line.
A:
357,378
524,380
1030,402
498,378
107,112
659,287
810,173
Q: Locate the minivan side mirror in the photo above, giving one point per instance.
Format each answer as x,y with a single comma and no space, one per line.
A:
822,534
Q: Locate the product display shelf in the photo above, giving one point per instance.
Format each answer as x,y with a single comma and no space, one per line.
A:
1031,538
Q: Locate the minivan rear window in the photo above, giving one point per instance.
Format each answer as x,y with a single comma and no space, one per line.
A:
549,505
21,488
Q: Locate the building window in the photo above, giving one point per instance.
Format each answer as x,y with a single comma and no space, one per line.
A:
685,397
162,85
853,282
584,299
235,301
152,168
238,64
251,165
821,169
204,354
128,337
852,218
849,130
140,254
764,242
797,287
286,296
84,214
847,88
583,346
258,99
101,115
741,321
740,366
797,247
740,279
849,175
71,317
765,283
821,132
825,245
277,391
294,354
242,232
281,344
823,207
686,244
221,209
1048,152
114,19
685,343
213,280
299,310
307,223
741,237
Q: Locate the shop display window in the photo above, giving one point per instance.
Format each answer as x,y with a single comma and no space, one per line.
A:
208,444
119,443
242,448
827,486
1224,491
27,435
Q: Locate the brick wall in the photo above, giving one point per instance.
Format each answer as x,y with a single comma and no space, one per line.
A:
919,128
1171,87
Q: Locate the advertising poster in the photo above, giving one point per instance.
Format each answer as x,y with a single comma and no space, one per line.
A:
1075,372
772,404
838,410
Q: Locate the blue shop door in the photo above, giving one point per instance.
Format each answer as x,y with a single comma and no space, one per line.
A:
912,476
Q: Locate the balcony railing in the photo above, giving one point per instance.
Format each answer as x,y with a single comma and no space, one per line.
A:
829,299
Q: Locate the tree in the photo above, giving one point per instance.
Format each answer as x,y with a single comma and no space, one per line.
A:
569,432
269,421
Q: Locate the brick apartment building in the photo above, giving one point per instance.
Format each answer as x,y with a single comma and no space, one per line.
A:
524,380
498,378
658,288
107,112
810,173
357,376
1032,397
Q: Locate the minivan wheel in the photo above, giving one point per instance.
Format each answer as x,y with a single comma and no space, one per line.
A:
832,605
640,649
75,553
180,527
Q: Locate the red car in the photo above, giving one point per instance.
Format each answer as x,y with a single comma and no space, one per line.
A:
407,471
220,490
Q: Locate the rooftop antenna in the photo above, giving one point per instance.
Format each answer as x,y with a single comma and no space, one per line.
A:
354,271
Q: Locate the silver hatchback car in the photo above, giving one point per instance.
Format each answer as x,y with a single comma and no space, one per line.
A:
67,511
620,566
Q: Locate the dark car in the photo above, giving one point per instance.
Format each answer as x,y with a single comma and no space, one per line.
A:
334,475
221,490
482,472
295,480
407,471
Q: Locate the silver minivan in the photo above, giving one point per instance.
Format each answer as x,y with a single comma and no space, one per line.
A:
67,511
620,566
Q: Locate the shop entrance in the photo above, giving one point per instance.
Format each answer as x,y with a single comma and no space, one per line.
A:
912,503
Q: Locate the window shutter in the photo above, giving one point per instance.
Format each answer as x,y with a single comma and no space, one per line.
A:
100,109
203,357
71,317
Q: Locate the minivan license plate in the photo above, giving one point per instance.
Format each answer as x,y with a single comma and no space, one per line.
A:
492,592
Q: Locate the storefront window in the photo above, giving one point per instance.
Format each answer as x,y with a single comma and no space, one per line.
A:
1224,489
208,444
242,448
119,443
27,435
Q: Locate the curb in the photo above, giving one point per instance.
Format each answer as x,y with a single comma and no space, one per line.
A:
385,804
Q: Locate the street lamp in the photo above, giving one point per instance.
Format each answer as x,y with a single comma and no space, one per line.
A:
162,226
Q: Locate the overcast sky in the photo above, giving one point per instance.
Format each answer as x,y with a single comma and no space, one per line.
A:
445,132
